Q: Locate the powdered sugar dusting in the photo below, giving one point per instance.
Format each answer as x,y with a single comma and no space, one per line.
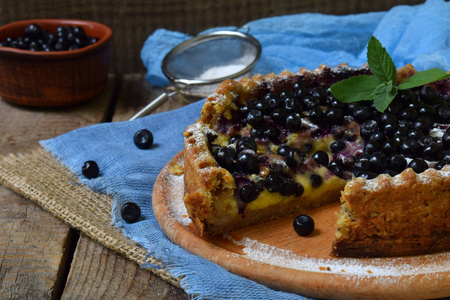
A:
394,267
176,192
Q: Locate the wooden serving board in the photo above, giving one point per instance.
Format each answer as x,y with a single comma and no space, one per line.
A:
274,255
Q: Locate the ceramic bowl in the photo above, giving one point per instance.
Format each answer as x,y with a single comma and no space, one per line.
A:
54,78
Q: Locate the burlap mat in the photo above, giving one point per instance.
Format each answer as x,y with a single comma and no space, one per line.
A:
40,178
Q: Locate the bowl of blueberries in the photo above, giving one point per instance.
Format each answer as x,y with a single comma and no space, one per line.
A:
53,62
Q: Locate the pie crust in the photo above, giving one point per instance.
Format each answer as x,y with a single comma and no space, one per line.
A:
377,215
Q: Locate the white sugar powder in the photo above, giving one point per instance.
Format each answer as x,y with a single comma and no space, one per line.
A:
177,207
221,71
260,252
233,67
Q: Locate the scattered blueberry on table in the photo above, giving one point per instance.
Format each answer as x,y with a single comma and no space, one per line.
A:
130,212
143,139
65,38
90,169
303,225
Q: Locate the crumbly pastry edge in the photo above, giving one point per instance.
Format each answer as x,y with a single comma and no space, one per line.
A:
416,223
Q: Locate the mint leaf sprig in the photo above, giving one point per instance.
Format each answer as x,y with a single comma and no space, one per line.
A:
382,86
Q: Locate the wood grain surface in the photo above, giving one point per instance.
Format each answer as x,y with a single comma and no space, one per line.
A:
272,254
40,256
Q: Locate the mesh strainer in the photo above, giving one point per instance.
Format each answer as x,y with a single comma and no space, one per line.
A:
196,67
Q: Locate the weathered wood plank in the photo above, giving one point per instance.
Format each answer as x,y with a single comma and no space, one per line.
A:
98,273
34,246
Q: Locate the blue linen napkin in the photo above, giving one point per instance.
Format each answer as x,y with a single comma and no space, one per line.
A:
412,34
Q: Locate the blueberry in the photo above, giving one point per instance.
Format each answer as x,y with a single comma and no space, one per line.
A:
316,115
294,121
274,182
394,107
390,146
429,111
263,105
247,161
446,156
255,118
225,157
299,90
336,170
309,102
284,150
292,105
418,165
33,30
143,139
387,118
246,142
290,187
337,162
295,158
397,163
405,96
334,116
316,180
431,152
390,129
303,225
337,146
272,134
279,115
426,140
415,134
446,141
299,190
321,157
130,212
444,115
378,162
368,128
361,114
423,123
361,165
410,147
90,169
371,147
79,32
409,114
440,164
272,99
427,92
249,192
378,136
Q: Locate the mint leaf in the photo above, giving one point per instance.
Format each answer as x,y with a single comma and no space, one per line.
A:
383,95
380,63
355,88
423,77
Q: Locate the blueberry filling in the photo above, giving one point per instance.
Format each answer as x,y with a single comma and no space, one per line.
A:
271,137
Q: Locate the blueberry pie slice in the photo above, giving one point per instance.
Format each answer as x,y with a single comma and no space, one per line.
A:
270,146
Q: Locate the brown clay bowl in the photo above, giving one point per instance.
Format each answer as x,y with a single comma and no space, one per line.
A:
54,78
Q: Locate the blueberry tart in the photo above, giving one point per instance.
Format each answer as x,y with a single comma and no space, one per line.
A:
276,145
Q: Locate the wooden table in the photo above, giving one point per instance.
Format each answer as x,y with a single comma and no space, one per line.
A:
40,256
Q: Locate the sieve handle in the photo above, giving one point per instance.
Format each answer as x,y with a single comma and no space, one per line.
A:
152,105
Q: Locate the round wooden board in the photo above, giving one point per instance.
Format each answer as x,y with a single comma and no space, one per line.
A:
275,256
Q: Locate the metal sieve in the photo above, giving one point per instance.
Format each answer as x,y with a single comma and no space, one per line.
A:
197,66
